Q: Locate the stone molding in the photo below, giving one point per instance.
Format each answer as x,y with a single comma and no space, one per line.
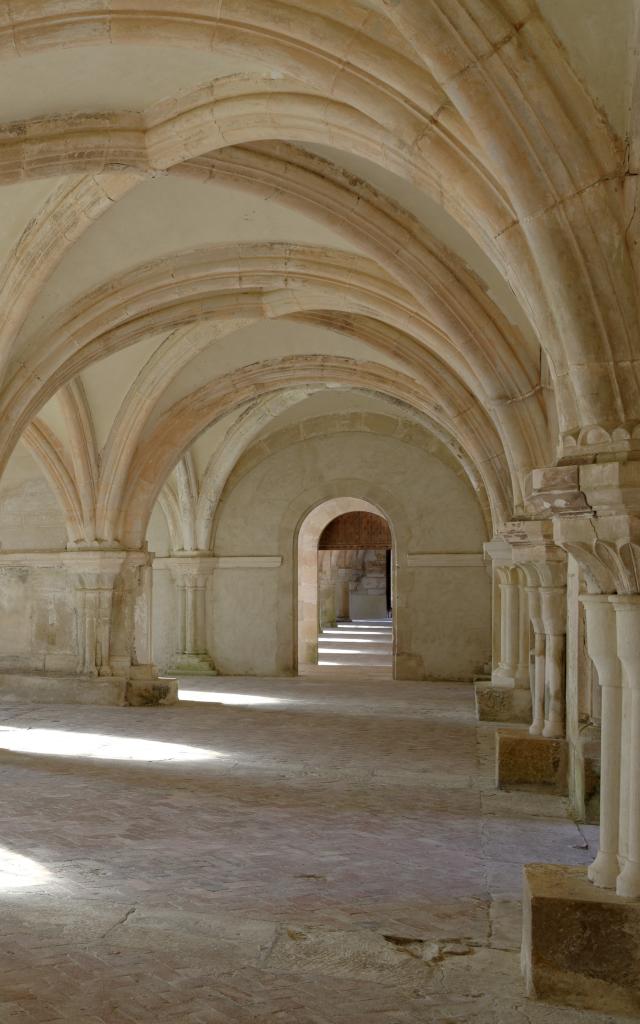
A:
180,563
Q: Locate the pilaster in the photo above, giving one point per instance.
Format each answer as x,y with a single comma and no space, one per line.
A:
191,571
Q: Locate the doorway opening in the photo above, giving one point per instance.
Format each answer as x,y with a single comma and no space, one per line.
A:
345,590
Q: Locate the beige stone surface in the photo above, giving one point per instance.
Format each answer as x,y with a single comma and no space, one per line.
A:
334,859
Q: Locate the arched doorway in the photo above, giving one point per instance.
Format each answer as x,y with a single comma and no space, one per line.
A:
345,576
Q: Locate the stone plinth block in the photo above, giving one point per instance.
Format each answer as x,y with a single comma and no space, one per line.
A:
580,944
142,692
524,761
502,703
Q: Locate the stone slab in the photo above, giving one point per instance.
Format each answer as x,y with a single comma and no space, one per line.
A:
502,703
580,944
23,688
530,762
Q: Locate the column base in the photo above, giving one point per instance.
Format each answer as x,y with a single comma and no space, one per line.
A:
530,762
193,665
579,943
499,703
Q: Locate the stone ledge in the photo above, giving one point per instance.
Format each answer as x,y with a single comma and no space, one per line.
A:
102,691
530,762
502,703
31,688
580,944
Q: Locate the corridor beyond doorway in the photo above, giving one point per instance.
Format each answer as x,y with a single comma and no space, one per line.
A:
359,643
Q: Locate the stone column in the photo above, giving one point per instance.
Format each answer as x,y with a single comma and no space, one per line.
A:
627,612
602,649
554,615
522,678
509,626
191,571
95,573
535,612
142,665
498,552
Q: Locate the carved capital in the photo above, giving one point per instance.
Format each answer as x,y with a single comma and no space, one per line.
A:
534,549
607,548
191,568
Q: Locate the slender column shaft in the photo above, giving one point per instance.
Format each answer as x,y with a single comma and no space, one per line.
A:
522,675
190,618
182,634
509,629
89,612
537,697
627,610
553,604
200,598
602,649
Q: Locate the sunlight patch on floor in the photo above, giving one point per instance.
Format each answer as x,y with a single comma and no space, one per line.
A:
64,743
219,697
19,872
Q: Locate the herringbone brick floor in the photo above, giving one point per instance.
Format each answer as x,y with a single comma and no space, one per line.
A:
343,859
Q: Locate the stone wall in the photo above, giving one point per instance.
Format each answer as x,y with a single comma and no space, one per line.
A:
442,589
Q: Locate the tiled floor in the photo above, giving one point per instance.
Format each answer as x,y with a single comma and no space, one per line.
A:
309,852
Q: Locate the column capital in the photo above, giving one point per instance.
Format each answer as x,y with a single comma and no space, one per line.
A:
190,566
96,569
534,549
497,550
607,548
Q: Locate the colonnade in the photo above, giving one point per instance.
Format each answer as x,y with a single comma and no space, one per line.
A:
529,594
599,527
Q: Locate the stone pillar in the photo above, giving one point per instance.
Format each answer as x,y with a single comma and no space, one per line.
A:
498,552
602,649
95,573
554,615
522,678
535,611
509,625
627,612
191,571
596,520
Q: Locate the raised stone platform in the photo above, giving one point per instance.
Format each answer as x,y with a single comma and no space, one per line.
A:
530,762
502,703
104,691
580,944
